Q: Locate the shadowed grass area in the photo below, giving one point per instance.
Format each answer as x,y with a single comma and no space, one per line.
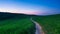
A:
50,24
12,26
16,24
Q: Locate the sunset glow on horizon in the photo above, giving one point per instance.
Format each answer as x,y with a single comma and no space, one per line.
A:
20,11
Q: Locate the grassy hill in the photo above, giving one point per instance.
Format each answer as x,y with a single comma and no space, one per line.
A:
16,24
21,24
50,24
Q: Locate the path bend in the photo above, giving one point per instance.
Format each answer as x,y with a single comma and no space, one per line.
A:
38,27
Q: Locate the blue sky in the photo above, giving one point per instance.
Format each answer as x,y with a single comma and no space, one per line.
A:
39,7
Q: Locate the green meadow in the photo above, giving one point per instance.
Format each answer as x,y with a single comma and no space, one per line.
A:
21,23
16,24
50,24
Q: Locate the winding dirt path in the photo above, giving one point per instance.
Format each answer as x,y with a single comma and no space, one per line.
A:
38,27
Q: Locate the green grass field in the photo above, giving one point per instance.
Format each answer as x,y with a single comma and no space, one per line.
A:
50,24
16,24
21,23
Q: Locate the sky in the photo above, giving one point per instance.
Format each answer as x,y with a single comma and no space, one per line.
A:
37,7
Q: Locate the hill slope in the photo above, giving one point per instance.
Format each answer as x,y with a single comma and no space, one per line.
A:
20,23
50,24
15,24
